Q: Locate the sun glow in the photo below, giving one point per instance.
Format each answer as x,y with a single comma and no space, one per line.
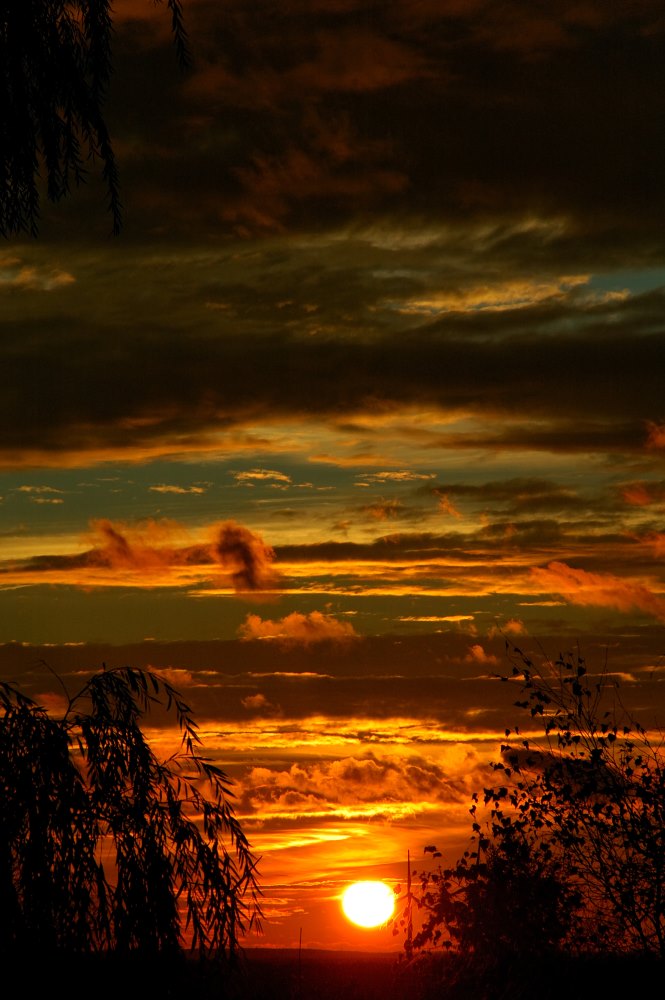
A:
368,904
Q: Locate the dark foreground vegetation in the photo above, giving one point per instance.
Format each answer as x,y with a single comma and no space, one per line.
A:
105,849
356,976
267,974
567,852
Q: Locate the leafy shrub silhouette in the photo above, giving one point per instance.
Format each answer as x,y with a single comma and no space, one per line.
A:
504,897
103,847
573,852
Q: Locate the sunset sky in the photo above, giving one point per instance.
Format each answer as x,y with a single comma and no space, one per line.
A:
372,378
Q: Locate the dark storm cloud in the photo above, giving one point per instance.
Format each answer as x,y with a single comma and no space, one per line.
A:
321,111
489,542
245,556
466,167
78,386
515,496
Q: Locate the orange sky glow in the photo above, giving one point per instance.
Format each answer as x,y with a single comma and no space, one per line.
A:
370,382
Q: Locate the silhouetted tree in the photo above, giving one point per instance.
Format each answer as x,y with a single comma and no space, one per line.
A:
104,847
578,820
593,791
55,66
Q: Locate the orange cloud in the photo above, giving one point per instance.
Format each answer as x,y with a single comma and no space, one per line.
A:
383,510
132,548
298,628
446,506
655,435
166,488
241,553
53,702
391,781
400,476
153,553
515,627
477,655
261,475
511,627
176,676
657,541
18,276
258,704
641,494
601,589
637,495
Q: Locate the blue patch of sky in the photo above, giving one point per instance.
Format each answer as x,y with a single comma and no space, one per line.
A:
637,281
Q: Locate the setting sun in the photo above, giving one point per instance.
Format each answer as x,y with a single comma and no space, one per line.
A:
368,904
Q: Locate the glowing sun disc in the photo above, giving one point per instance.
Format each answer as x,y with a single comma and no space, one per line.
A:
368,904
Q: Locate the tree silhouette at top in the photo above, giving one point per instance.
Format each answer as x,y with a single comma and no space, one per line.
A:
55,66
106,848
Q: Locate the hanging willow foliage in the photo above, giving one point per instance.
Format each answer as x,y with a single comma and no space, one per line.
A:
55,66
103,847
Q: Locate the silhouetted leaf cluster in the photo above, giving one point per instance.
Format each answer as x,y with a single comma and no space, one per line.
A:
573,852
105,847
55,66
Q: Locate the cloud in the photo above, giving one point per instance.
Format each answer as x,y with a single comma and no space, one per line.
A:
477,655
244,555
385,510
515,294
37,489
443,369
644,494
656,541
297,628
655,435
254,701
158,553
176,676
401,476
599,589
123,546
258,704
519,495
54,702
250,101
446,506
22,277
513,626
189,490
365,779
457,619
261,475
637,495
